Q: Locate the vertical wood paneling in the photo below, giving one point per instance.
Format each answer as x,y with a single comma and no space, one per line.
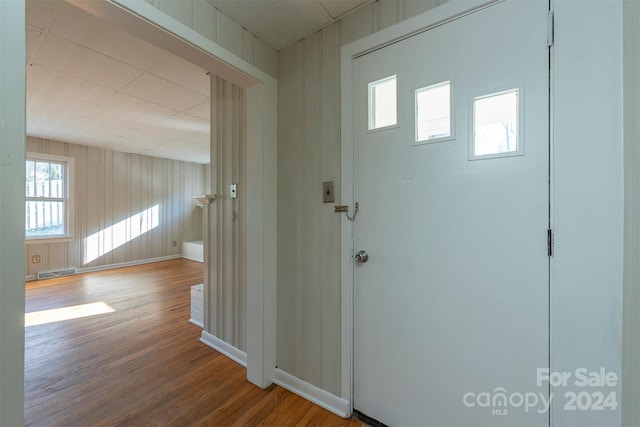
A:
107,188
359,24
181,10
330,222
238,109
205,19
226,283
92,207
308,338
212,291
289,166
415,7
226,175
158,235
311,190
110,187
75,248
135,205
118,199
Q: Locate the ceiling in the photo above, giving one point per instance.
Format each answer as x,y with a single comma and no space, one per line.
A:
280,23
92,84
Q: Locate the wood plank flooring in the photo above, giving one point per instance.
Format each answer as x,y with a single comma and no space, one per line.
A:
143,364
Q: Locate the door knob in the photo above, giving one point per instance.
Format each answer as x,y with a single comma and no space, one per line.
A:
362,256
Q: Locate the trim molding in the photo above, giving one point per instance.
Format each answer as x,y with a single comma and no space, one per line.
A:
238,356
32,277
631,291
320,397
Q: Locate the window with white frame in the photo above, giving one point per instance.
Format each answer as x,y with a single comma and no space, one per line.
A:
47,196
383,110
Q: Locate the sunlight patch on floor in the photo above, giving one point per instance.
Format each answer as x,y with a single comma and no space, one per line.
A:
66,313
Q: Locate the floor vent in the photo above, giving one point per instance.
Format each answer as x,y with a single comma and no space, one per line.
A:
57,273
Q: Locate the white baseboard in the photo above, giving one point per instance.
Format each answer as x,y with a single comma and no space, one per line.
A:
197,323
320,397
116,265
127,263
227,349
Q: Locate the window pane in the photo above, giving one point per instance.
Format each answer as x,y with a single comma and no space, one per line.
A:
30,186
57,187
382,103
44,218
433,112
42,179
495,121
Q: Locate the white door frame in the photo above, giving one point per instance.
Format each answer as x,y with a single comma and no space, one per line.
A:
430,19
152,25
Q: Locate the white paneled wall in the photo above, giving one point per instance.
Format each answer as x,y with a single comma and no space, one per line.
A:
202,17
308,154
110,187
227,284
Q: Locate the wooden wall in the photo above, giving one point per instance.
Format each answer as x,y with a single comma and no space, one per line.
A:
205,19
227,285
308,154
111,187
308,72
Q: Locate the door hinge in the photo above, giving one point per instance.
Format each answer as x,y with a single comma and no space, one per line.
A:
550,29
549,242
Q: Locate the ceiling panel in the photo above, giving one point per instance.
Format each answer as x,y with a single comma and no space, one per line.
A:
64,56
32,35
179,71
337,8
202,110
124,106
92,84
44,100
39,11
276,22
84,29
57,84
164,92
188,123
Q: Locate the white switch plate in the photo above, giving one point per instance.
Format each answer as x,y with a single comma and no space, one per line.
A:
234,191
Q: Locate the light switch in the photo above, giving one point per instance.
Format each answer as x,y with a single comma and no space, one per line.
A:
328,195
234,191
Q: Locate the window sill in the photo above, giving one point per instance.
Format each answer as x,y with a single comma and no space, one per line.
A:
52,239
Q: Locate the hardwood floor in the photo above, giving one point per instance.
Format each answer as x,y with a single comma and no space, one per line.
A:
142,364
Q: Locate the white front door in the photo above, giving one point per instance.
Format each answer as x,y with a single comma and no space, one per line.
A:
451,309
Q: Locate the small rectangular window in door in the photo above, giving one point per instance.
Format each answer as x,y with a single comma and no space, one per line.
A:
433,113
383,103
496,123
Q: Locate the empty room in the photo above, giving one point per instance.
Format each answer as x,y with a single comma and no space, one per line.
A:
324,212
